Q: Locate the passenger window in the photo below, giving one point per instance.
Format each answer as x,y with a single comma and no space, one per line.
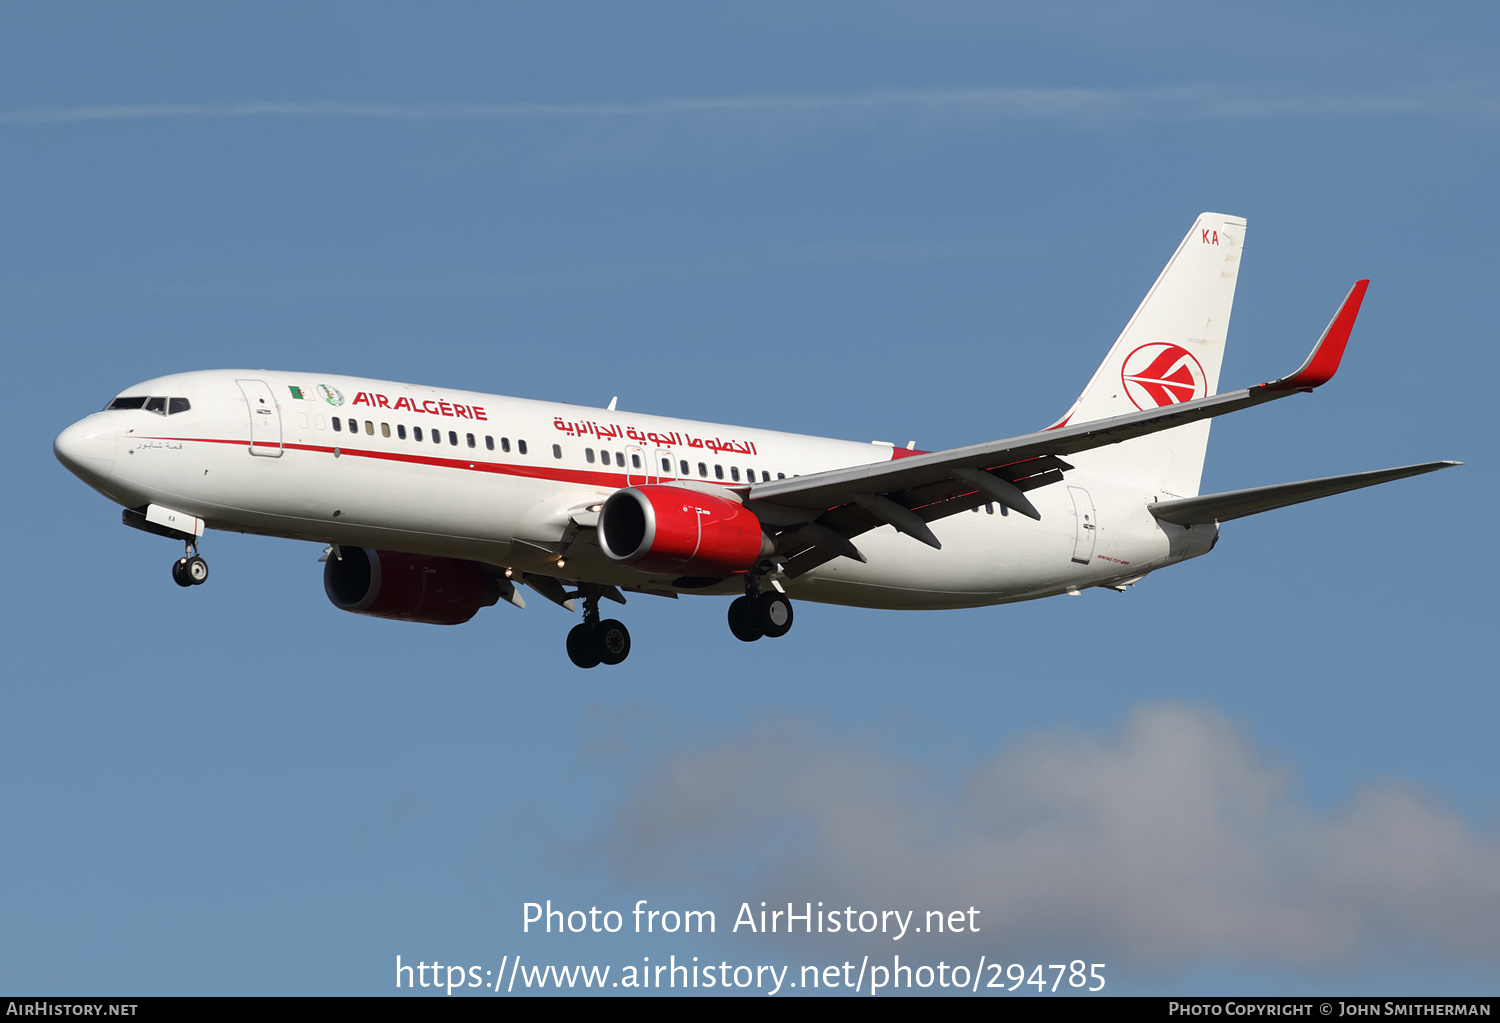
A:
470,438
521,446
604,457
684,467
338,425
781,475
437,436
635,461
385,429
718,472
157,405
703,470
765,477
989,509
353,426
369,428
400,431
588,455
505,444
176,405
416,433
666,465
453,437
734,473
620,459
557,451
489,443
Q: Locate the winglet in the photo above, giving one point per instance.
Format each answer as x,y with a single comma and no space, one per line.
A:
1323,363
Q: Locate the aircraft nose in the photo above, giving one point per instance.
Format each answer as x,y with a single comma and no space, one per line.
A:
87,447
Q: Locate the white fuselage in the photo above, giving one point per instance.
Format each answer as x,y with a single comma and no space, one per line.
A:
507,482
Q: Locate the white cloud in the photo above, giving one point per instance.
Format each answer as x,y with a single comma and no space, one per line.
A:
1170,845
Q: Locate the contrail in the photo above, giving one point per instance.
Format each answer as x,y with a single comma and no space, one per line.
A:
1183,101
999,100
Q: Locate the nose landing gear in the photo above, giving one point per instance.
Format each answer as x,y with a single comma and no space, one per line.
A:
190,569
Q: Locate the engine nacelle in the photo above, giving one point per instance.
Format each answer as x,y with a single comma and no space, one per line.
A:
407,587
667,530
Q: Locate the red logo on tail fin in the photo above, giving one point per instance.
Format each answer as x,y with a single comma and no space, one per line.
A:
1160,374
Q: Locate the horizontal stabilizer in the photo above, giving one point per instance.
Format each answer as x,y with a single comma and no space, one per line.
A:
1238,503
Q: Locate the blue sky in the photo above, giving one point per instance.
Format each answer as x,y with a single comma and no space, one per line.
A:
1268,770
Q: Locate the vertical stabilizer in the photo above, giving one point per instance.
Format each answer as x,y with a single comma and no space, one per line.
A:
1169,352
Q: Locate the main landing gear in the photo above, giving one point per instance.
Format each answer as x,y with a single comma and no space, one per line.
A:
190,569
594,642
760,613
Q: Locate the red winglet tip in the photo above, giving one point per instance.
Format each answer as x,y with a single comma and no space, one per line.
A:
1323,363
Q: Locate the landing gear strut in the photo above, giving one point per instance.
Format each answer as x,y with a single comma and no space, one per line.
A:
760,613
596,642
190,569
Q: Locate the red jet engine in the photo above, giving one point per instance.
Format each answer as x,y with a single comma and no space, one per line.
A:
407,587
667,530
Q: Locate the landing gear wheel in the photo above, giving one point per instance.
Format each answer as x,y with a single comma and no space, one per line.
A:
612,641
773,614
583,646
196,570
742,621
179,572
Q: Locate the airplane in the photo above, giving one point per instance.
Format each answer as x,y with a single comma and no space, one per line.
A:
434,503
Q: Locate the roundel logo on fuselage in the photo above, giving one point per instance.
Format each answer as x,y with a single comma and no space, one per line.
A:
1162,373
332,395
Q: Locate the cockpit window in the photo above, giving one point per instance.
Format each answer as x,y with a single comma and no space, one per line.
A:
160,405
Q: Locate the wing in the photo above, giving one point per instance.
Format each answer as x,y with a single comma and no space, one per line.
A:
816,517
